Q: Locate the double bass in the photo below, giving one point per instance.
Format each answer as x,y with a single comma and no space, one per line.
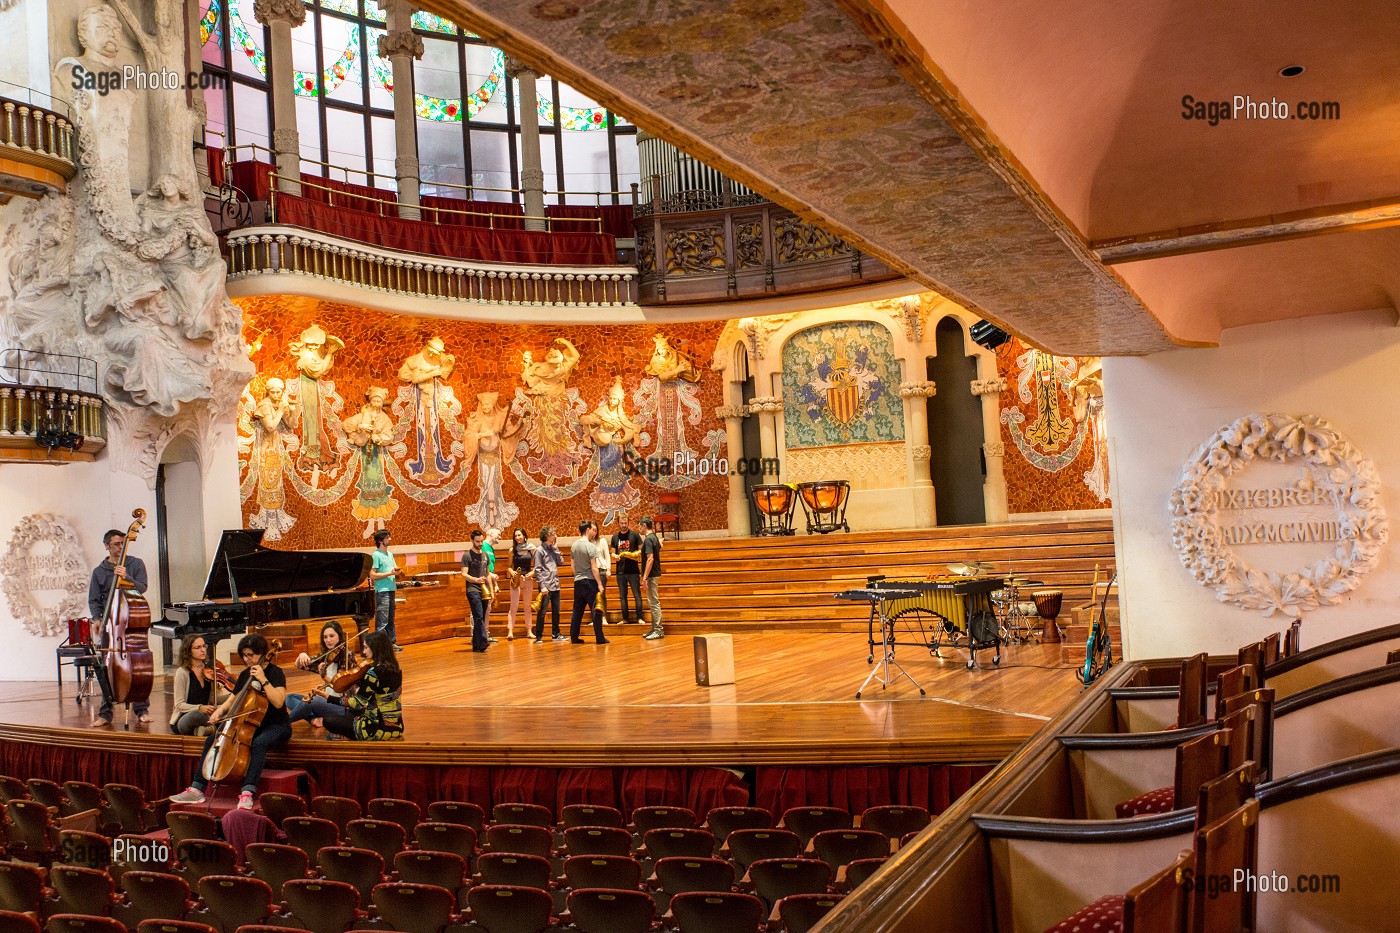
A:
227,759
125,627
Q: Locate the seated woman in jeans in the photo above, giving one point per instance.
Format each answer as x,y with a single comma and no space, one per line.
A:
333,658
274,731
372,708
194,688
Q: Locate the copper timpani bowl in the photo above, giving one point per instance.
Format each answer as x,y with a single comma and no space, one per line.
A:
824,495
773,500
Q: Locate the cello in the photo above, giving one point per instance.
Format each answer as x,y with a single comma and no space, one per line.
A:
228,758
124,628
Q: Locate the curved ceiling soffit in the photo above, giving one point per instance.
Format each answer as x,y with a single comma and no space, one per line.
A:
950,214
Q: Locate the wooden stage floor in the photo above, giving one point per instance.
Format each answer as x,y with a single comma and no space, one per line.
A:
635,702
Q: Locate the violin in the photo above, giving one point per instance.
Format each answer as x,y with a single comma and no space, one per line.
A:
347,678
228,757
218,672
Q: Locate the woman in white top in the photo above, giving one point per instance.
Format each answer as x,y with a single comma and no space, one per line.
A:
604,569
522,578
334,656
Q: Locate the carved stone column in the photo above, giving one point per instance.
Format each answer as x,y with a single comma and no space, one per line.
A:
531,166
403,47
916,441
769,408
994,490
281,17
738,504
194,64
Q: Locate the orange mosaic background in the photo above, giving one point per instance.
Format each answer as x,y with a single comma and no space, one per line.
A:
1031,488
488,359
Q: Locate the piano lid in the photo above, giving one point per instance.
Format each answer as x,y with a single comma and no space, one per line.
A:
262,570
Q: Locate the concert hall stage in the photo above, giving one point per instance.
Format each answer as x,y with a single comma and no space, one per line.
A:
635,703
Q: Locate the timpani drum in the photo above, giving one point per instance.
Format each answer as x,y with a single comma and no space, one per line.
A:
774,504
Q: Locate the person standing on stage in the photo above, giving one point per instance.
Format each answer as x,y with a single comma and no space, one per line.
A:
372,709
383,573
522,579
274,731
477,572
585,558
651,573
488,547
629,572
131,574
600,610
546,561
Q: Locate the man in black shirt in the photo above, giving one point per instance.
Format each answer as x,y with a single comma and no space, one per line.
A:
629,572
274,731
132,574
651,573
476,570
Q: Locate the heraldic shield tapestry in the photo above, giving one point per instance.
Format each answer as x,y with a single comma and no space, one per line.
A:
841,386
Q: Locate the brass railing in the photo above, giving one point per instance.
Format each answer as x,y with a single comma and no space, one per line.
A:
34,134
285,250
50,401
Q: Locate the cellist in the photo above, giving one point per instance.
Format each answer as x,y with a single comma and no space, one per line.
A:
131,573
274,731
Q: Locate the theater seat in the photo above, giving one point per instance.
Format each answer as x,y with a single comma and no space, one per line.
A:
1105,915
1161,800
13,922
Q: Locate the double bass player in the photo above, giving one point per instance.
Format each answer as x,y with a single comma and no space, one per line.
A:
130,572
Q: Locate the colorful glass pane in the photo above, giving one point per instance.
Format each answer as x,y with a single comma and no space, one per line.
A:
431,22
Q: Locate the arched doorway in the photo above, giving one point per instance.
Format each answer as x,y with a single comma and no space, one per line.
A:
955,430
180,526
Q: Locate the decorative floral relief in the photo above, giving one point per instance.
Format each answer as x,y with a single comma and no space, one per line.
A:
1331,461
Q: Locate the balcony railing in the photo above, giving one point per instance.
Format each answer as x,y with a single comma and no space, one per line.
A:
49,407
35,130
290,251
743,251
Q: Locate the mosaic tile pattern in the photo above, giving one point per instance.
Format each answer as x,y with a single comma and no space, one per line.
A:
841,386
1050,454
488,359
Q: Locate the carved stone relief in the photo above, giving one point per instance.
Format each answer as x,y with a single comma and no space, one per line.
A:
748,244
45,576
796,240
698,250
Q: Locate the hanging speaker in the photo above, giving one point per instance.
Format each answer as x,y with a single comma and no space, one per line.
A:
986,334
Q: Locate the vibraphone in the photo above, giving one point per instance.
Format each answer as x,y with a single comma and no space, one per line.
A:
962,607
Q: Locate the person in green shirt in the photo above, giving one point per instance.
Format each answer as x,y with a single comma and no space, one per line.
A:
383,573
493,535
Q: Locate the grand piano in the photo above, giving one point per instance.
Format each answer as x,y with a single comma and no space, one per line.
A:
252,585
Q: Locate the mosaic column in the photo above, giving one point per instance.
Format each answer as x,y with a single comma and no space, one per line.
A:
531,166
769,408
916,442
281,17
994,490
403,47
738,503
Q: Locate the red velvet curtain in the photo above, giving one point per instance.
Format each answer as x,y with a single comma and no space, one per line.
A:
617,218
214,159
522,246
459,212
854,788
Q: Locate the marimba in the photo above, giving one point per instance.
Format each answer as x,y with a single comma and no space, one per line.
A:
962,607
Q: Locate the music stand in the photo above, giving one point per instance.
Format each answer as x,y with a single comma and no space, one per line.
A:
879,598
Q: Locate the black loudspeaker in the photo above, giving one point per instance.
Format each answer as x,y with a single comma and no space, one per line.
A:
986,334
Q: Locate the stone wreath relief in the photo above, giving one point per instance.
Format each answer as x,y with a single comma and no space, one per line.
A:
45,560
1335,481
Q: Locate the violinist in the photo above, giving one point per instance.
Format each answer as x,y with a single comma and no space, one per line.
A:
274,731
194,688
335,654
372,708
132,573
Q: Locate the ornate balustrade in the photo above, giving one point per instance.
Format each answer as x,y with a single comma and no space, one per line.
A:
283,250
49,407
36,144
743,251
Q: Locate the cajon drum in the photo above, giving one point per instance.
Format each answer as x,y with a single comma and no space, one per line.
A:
714,660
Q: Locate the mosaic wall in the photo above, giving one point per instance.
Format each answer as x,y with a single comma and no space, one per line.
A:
359,420
1052,429
841,386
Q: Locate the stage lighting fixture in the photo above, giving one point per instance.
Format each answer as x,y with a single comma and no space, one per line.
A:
986,334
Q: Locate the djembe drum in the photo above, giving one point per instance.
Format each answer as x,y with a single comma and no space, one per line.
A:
1047,605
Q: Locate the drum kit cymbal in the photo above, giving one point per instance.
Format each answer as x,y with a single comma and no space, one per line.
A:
969,568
